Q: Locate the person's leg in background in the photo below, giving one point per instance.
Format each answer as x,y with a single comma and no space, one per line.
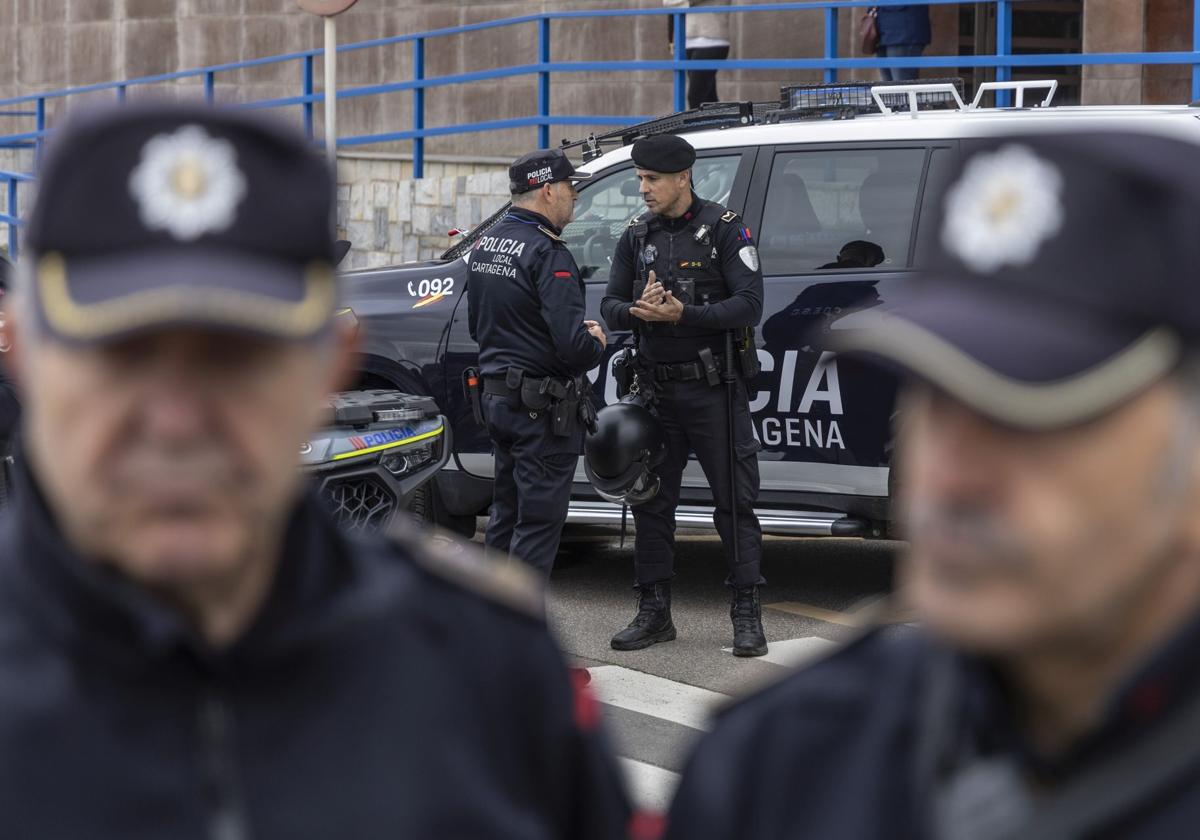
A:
702,84
899,74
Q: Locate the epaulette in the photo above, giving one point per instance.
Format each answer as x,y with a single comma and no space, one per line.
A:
729,217
507,582
641,218
551,233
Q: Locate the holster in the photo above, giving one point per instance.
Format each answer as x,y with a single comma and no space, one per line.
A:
564,413
712,373
746,351
472,392
624,370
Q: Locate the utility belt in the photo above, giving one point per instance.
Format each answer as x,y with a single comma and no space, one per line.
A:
631,368
689,371
566,399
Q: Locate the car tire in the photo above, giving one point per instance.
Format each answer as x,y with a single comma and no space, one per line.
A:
424,508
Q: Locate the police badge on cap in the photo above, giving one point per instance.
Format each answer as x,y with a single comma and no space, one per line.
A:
164,215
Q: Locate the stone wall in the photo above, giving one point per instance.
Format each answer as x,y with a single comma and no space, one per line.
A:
390,218
50,44
1135,26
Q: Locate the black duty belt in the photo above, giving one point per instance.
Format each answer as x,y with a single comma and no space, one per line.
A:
497,387
685,371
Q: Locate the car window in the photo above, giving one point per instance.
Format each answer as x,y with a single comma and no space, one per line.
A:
606,205
839,209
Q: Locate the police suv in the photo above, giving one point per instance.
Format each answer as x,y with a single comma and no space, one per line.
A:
833,182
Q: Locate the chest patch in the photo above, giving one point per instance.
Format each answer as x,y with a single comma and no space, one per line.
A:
693,264
650,254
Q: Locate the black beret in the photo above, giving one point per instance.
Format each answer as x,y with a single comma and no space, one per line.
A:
663,153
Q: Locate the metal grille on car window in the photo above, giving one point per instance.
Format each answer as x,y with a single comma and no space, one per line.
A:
840,209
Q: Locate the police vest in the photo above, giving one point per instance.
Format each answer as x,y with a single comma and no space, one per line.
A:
689,254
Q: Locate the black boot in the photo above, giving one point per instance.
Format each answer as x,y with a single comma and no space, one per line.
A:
746,613
652,624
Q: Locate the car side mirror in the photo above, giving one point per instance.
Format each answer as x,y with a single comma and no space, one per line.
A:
631,189
340,249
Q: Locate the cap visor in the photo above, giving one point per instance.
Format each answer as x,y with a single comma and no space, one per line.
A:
104,298
1022,363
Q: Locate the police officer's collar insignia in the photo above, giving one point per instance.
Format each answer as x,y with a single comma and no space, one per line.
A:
187,184
1005,205
650,254
729,216
551,233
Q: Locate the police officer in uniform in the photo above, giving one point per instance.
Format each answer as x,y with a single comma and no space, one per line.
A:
1049,454
684,275
191,647
525,307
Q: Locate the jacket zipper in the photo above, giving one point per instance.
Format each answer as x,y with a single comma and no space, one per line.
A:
227,814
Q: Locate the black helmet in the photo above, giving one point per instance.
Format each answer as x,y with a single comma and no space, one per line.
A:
620,456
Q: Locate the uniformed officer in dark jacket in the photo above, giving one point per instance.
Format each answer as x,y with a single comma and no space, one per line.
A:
1050,470
9,408
188,646
684,275
525,304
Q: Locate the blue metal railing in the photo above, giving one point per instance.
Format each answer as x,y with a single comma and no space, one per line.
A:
829,63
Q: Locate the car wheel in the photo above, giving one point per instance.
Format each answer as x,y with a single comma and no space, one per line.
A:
424,508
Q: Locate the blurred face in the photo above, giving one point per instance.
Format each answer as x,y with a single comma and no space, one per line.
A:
173,456
1023,541
561,199
664,192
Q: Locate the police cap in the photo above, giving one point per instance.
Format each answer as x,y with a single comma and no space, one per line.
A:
1059,278
158,215
547,166
663,153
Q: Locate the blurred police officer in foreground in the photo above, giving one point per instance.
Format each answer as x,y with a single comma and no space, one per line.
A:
9,408
1049,455
684,274
525,304
190,648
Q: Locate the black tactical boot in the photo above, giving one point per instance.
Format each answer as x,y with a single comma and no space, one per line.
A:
746,612
652,624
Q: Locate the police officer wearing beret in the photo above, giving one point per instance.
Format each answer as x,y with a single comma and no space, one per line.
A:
525,302
1049,449
684,275
190,646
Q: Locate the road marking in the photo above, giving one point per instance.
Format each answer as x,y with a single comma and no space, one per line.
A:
792,653
875,609
819,613
659,697
650,787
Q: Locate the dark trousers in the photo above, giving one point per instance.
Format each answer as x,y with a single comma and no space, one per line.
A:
899,74
702,84
694,416
534,472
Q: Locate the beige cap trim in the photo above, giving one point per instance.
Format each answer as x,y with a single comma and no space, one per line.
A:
226,306
1010,401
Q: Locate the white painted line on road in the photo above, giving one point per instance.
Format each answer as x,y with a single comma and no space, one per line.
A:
650,787
792,653
656,696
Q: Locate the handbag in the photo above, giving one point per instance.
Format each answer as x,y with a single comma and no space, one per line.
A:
868,33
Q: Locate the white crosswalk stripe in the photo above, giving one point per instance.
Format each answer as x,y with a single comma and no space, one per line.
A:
656,721
647,694
651,787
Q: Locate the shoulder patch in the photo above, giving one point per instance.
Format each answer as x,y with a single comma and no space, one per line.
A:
506,582
551,233
729,216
